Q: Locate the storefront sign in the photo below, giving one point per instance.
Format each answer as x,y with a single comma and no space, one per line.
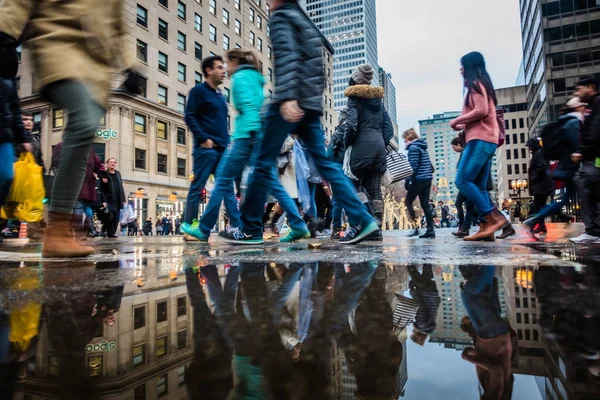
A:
106,134
102,346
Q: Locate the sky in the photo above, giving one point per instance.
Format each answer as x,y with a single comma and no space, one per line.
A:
421,42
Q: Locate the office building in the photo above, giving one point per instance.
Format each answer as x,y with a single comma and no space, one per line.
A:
561,44
147,134
389,102
513,158
351,27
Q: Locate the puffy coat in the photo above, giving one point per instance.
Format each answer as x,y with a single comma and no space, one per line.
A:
419,160
368,128
540,181
248,97
566,169
297,50
94,165
11,123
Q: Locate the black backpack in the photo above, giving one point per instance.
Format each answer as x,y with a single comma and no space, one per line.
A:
553,139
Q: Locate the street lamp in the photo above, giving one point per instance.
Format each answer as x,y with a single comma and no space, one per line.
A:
519,185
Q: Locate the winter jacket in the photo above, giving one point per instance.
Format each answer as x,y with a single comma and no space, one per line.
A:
540,181
248,97
297,50
114,199
445,211
71,40
418,157
570,130
368,128
11,123
206,116
93,165
479,118
590,132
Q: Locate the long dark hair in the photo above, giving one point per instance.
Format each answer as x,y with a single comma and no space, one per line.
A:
476,74
243,57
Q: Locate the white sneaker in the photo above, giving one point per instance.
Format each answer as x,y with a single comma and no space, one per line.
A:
585,238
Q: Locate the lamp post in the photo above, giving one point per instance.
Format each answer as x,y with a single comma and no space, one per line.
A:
519,185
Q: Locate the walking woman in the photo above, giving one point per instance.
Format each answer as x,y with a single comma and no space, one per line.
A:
368,129
478,120
419,184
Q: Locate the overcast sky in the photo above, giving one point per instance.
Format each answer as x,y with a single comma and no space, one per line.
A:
421,43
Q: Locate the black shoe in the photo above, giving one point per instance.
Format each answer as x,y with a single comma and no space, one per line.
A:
430,234
506,232
376,236
461,233
236,236
415,233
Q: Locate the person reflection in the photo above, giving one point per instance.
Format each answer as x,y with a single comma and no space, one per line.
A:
491,334
424,290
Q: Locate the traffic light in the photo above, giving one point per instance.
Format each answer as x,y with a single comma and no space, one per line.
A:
203,196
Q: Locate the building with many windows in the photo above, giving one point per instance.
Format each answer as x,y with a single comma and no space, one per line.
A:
389,102
351,27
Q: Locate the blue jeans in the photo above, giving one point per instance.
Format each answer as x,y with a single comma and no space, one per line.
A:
205,163
230,168
309,130
337,213
473,172
555,207
312,211
7,156
82,209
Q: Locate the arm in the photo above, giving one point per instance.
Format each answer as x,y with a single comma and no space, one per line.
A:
414,157
14,16
20,135
195,100
481,107
388,128
351,125
98,165
286,54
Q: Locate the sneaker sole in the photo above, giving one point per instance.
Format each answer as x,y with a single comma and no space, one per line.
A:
307,235
241,242
372,227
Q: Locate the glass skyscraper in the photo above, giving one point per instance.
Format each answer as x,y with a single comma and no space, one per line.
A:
351,27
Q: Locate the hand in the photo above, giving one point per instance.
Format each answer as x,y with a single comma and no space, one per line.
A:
456,126
291,112
104,205
207,144
134,82
124,204
104,180
27,147
576,157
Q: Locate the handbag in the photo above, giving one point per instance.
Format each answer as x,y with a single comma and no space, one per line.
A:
398,166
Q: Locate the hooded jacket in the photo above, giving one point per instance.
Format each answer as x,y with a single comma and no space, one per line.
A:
248,97
540,181
368,128
419,160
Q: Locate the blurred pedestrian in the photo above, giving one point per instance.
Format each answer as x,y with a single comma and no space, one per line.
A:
423,289
540,182
148,227
464,219
336,152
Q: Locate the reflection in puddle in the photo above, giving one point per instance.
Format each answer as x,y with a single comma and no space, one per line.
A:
158,327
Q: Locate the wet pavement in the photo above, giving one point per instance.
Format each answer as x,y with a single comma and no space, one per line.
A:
150,318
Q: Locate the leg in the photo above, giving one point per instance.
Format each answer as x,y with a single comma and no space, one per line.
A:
293,215
205,161
411,195
471,177
424,190
588,187
460,212
6,170
336,213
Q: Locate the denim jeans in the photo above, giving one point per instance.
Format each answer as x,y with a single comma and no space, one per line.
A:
336,213
555,207
6,169
205,164
81,209
312,211
83,116
309,130
473,172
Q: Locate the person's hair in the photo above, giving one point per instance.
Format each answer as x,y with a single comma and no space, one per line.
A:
26,114
457,142
209,62
410,134
243,57
475,75
588,82
440,202
112,158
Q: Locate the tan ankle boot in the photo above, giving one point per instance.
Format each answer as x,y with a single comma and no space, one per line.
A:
59,240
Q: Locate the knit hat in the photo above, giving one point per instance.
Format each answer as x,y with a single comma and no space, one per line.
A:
363,75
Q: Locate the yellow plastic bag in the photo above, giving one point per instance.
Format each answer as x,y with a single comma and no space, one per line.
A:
24,319
25,200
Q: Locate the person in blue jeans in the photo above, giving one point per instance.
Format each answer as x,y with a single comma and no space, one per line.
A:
206,116
247,90
336,151
296,108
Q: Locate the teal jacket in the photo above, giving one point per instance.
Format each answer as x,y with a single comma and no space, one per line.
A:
247,91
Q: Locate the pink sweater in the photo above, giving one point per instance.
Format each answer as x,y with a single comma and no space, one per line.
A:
479,118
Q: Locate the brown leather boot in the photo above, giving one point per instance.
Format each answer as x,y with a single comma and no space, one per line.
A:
492,223
59,240
478,237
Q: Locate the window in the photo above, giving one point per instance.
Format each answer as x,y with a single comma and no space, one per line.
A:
182,339
139,356
212,33
524,153
140,392
270,74
522,138
517,300
514,124
197,77
527,334
198,51
139,313
212,7
238,27
58,118
161,168
181,172
181,41
226,17
508,153
525,302
197,22
526,318
225,42
259,45
507,139
95,366
142,51
140,163
509,169
268,31
237,5
181,10
164,3
162,387
227,94
517,169
163,62
258,22
181,135
520,334
515,154
142,16
161,130
161,347
251,15
162,95
181,305
181,72
269,52
143,85
521,123
181,375
252,38
180,103
163,29
140,123
515,138
519,320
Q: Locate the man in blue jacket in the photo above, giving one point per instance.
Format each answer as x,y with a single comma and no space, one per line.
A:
206,117
296,108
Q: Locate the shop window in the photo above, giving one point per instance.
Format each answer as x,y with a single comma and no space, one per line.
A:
95,366
100,149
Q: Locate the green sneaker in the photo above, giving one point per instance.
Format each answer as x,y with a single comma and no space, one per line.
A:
294,235
194,231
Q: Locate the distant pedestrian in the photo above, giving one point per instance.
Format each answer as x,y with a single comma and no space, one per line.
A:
148,226
159,226
178,225
424,290
445,214
115,196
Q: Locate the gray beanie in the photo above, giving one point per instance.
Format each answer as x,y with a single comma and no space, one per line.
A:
363,75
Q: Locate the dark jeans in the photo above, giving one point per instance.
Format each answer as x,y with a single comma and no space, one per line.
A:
423,190
446,222
83,116
110,227
473,172
464,220
543,211
205,164
587,181
309,130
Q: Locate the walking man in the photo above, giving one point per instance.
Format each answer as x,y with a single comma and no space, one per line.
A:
296,108
445,214
206,116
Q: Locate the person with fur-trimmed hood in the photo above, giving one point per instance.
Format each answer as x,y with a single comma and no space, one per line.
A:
368,130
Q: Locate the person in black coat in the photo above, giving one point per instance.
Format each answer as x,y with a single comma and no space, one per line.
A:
115,196
368,131
540,181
